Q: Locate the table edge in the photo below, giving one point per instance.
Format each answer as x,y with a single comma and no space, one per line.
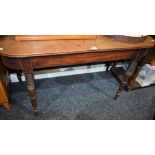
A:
75,52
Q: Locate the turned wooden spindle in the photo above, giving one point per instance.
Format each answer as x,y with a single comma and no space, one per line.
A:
131,71
32,92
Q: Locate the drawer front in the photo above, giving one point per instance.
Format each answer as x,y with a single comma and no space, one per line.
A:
81,58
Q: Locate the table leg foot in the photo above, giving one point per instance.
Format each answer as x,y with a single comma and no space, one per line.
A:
116,96
125,79
118,93
32,92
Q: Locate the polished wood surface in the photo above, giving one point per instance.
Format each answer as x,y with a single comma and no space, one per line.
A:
13,48
29,55
53,37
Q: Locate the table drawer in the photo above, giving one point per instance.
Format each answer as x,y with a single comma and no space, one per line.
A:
81,58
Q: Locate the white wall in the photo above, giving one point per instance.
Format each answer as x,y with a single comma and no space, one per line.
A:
64,72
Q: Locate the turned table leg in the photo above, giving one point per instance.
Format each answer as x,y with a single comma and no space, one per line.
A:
132,80
114,64
130,72
124,83
107,64
32,91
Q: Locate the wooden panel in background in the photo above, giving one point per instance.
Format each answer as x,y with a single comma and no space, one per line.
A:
3,91
53,37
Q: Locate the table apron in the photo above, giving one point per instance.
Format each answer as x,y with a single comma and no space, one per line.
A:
81,58
68,59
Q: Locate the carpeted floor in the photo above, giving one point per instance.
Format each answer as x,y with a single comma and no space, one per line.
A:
81,97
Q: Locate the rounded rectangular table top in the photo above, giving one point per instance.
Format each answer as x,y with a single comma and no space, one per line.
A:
9,47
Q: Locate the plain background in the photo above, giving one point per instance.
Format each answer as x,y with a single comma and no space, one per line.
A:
130,17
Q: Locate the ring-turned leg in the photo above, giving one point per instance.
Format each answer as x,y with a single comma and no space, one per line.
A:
124,82
128,74
132,80
32,91
131,71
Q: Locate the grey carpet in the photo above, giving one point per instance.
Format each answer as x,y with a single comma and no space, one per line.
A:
81,97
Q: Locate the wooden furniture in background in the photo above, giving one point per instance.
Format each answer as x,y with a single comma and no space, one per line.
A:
128,39
30,55
3,90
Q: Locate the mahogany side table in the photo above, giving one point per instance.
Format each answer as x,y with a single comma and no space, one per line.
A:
29,55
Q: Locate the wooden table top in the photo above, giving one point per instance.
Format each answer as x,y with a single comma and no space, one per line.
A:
19,49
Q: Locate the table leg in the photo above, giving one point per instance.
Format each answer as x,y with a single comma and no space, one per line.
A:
132,80
32,91
114,63
124,82
107,64
127,76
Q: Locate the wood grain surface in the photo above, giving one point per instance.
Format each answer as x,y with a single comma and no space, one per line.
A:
53,37
19,49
